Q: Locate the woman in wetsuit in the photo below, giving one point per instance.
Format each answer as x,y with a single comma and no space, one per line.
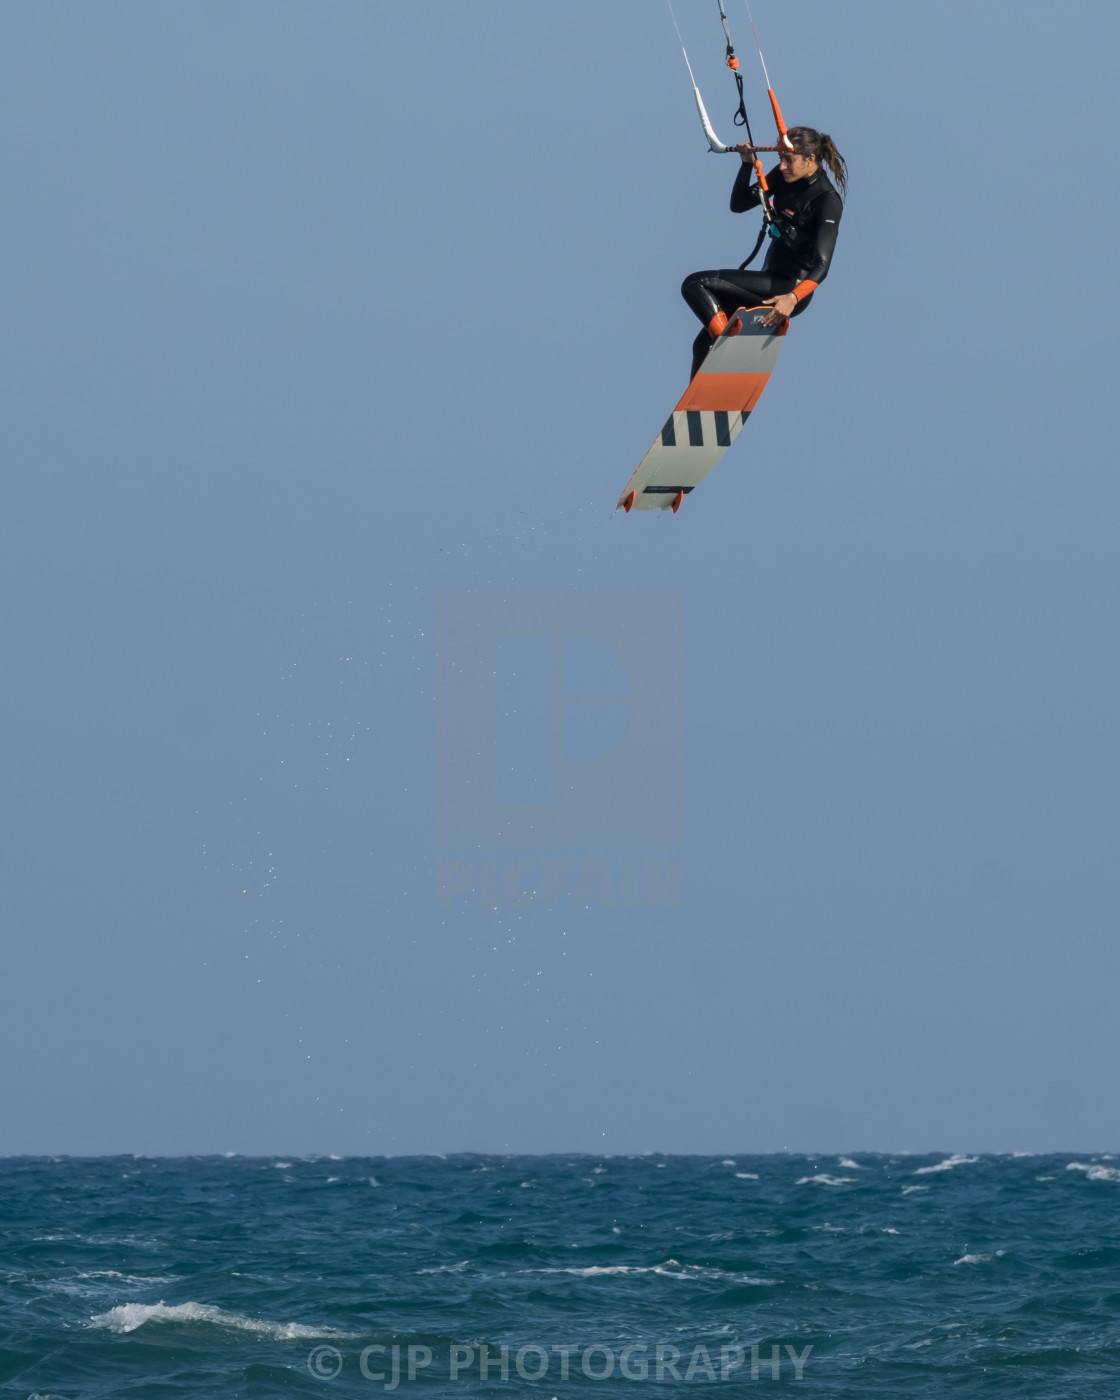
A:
807,210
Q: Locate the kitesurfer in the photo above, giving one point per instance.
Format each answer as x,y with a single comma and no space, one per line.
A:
806,218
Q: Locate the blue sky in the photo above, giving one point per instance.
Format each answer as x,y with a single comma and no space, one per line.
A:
312,314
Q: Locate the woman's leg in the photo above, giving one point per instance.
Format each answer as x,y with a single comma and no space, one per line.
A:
724,289
700,347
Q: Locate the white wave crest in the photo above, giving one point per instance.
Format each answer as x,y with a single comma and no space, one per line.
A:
823,1179
957,1160
596,1270
971,1259
129,1316
746,1176
1094,1171
851,1166
671,1268
907,1189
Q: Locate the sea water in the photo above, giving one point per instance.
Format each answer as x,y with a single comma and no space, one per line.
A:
861,1276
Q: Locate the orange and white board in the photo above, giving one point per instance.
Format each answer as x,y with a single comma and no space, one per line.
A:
709,416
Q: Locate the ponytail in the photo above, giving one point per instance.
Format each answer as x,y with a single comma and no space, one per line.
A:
808,142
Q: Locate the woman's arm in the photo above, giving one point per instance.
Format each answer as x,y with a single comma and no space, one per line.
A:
828,212
744,195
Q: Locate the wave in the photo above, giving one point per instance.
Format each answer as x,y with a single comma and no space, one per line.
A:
595,1270
146,1279
94,1284
671,1268
957,1160
823,1179
1094,1171
129,1316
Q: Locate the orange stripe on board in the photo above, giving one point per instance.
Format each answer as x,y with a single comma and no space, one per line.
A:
733,393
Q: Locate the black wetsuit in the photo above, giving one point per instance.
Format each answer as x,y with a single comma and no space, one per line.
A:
807,214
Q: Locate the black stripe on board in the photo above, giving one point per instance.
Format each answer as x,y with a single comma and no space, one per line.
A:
669,433
723,430
665,490
695,429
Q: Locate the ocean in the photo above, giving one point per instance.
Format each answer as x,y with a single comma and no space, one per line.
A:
862,1276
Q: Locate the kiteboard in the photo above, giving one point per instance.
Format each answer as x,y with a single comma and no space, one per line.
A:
710,415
